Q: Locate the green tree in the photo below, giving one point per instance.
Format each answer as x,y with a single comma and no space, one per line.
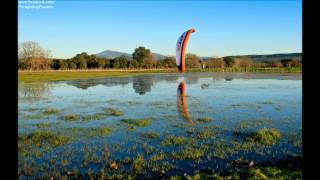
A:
229,61
286,62
133,64
143,57
55,64
63,64
168,62
101,63
72,65
82,64
120,62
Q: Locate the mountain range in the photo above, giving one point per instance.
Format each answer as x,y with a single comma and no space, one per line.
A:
113,54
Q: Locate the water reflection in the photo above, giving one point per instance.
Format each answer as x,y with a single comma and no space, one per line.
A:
182,106
33,91
192,79
228,78
142,85
85,84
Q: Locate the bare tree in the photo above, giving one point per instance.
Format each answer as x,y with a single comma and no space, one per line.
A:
215,63
245,63
32,56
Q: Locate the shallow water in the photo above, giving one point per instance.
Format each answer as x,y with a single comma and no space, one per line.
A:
229,100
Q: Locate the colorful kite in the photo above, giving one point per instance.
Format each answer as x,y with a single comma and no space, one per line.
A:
180,49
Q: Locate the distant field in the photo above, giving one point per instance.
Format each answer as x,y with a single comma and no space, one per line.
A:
29,76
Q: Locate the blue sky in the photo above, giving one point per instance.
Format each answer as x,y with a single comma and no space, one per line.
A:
222,27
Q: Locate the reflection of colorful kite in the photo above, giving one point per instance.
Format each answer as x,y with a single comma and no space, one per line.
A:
182,102
180,49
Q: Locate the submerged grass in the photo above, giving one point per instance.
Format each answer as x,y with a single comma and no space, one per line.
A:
267,102
138,163
43,125
249,124
113,112
136,122
176,140
90,132
72,117
32,117
50,111
264,136
267,136
37,142
150,135
190,153
204,119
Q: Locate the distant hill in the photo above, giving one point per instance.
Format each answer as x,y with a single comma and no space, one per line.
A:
272,57
158,56
257,58
113,54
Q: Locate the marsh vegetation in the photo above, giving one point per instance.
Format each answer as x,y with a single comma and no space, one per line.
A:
130,128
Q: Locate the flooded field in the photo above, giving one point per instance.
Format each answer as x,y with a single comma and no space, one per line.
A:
158,125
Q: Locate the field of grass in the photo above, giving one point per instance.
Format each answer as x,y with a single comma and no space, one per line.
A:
31,76
69,75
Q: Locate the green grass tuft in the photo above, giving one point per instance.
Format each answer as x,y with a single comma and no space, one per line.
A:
72,117
50,111
267,136
150,135
113,112
176,140
136,122
204,119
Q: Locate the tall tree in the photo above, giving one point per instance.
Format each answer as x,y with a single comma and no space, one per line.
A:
143,57
32,56
229,61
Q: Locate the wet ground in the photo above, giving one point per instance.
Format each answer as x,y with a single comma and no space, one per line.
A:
157,125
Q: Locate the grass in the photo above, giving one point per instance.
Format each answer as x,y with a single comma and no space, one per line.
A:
136,122
50,111
32,117
295,139
204,119
267,136
97,116
190,153
91,132
72,117
42,140
138,163
70,75
150,135
267,102
249,124
158,156
100,131
113,112
206,133
175,140
43,125
29,76
281,170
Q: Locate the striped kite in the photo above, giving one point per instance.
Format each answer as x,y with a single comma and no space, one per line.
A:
180,49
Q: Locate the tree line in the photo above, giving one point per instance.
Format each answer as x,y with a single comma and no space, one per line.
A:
31,56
